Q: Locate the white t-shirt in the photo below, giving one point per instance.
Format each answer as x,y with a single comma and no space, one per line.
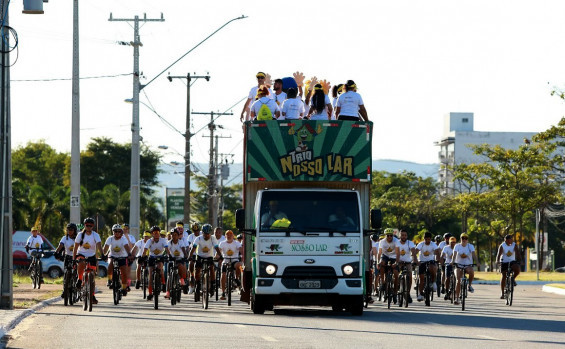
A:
374,245
256,106
427,252
117,246
253,93
405,250
140,246
191,239
34,242
323,115
447,253
156,248
130,239
292,109
230,249
464,254
442,245
69,245
279,99
176,249
388,248
222,238
88,247
508,252
334,105
184,240
205,248
349,103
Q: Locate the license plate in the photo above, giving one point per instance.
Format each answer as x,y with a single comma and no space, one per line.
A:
309,284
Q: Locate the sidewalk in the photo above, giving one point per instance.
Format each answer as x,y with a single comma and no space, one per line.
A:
10,318
554,288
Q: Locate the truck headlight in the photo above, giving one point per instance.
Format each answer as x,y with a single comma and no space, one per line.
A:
271,269
347,269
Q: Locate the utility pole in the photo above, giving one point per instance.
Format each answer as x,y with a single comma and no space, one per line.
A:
134,215
75,125
6,261
187,136
212,206
224,175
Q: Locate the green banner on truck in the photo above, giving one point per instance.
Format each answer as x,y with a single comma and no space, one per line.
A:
304,150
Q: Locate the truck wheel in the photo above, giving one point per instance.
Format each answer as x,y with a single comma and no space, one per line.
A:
337,307
356,306
257,305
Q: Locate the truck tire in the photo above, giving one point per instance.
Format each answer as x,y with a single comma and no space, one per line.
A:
356,306
257,305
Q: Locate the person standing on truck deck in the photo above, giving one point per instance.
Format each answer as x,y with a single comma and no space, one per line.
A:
256,108
279,96
320,105
262,79
268,218
336,92
350,104
292,108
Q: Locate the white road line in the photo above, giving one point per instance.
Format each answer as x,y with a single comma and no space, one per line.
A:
240,326
269,339
487,337
432,323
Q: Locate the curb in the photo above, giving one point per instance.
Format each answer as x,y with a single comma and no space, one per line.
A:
556,290
4,330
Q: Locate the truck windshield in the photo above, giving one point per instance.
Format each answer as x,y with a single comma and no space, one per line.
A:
309,211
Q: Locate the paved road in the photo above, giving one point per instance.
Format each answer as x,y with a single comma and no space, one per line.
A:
536,319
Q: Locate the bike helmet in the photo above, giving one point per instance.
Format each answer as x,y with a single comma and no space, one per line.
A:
155,228
438,238
89,220
239,236
447,235
389,231
195,227
375,237
117,227
72,226
206,229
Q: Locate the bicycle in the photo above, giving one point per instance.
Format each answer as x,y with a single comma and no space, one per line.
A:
451,283
218,278
117,280
68,281
204,286
156,275
173,281
230,277
464,284
88,286
144,275
389,283
35,267
438,281
428,288
509,287
403,288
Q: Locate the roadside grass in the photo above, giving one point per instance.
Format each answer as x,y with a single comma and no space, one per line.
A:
22,278
524,276
24,304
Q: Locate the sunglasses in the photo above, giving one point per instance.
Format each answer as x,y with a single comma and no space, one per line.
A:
260,77
89,225
464,238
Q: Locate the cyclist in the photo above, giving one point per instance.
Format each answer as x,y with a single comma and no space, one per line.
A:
195,228
66,246
177,251
155,247
35,242
509,255
389,252
464,256
205,244
447,258
87,243
118,246
179,226
240,238
407,251
441,245
374,266
428,255
138,252
131,242
231,249
219,234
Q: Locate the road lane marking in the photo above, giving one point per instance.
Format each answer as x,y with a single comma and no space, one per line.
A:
240,326
487,337
269,339
432,323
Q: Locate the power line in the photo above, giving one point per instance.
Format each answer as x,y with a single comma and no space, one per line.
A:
65,79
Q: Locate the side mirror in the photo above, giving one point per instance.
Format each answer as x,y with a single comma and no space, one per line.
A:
376,219
240,219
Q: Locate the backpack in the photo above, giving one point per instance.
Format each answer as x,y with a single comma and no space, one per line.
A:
264,112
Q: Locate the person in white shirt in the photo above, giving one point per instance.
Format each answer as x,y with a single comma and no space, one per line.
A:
272,110
177,252
231,249
320,105
262,79
350,104
268,218
407,251
67,243
441,245
195,228
117,247
293,107
35,243
336,92
428,255
389,254
87,243
219,235
447,258
464,257
138,249
131,242
204,247
155,247
279,96
509,257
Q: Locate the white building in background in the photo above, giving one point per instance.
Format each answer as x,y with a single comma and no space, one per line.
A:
458,133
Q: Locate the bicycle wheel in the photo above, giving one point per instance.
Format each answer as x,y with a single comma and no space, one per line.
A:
156,288
173,288
205,288
66,287
438,281
452,282
389,288
85,291
229,286
144,282
400,296
406,294
427,289
511,292
463,293
91,291
217,284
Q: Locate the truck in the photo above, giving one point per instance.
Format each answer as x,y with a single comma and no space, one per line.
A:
306,214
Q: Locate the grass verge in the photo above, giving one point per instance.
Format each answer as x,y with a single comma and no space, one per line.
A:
524,276
28,303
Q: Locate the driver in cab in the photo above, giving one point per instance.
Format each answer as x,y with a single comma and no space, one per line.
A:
270,217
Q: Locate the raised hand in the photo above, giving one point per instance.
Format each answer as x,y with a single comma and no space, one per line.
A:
313,82
326,86
299,78
268,81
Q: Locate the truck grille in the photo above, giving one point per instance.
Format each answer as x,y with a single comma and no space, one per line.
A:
292,275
